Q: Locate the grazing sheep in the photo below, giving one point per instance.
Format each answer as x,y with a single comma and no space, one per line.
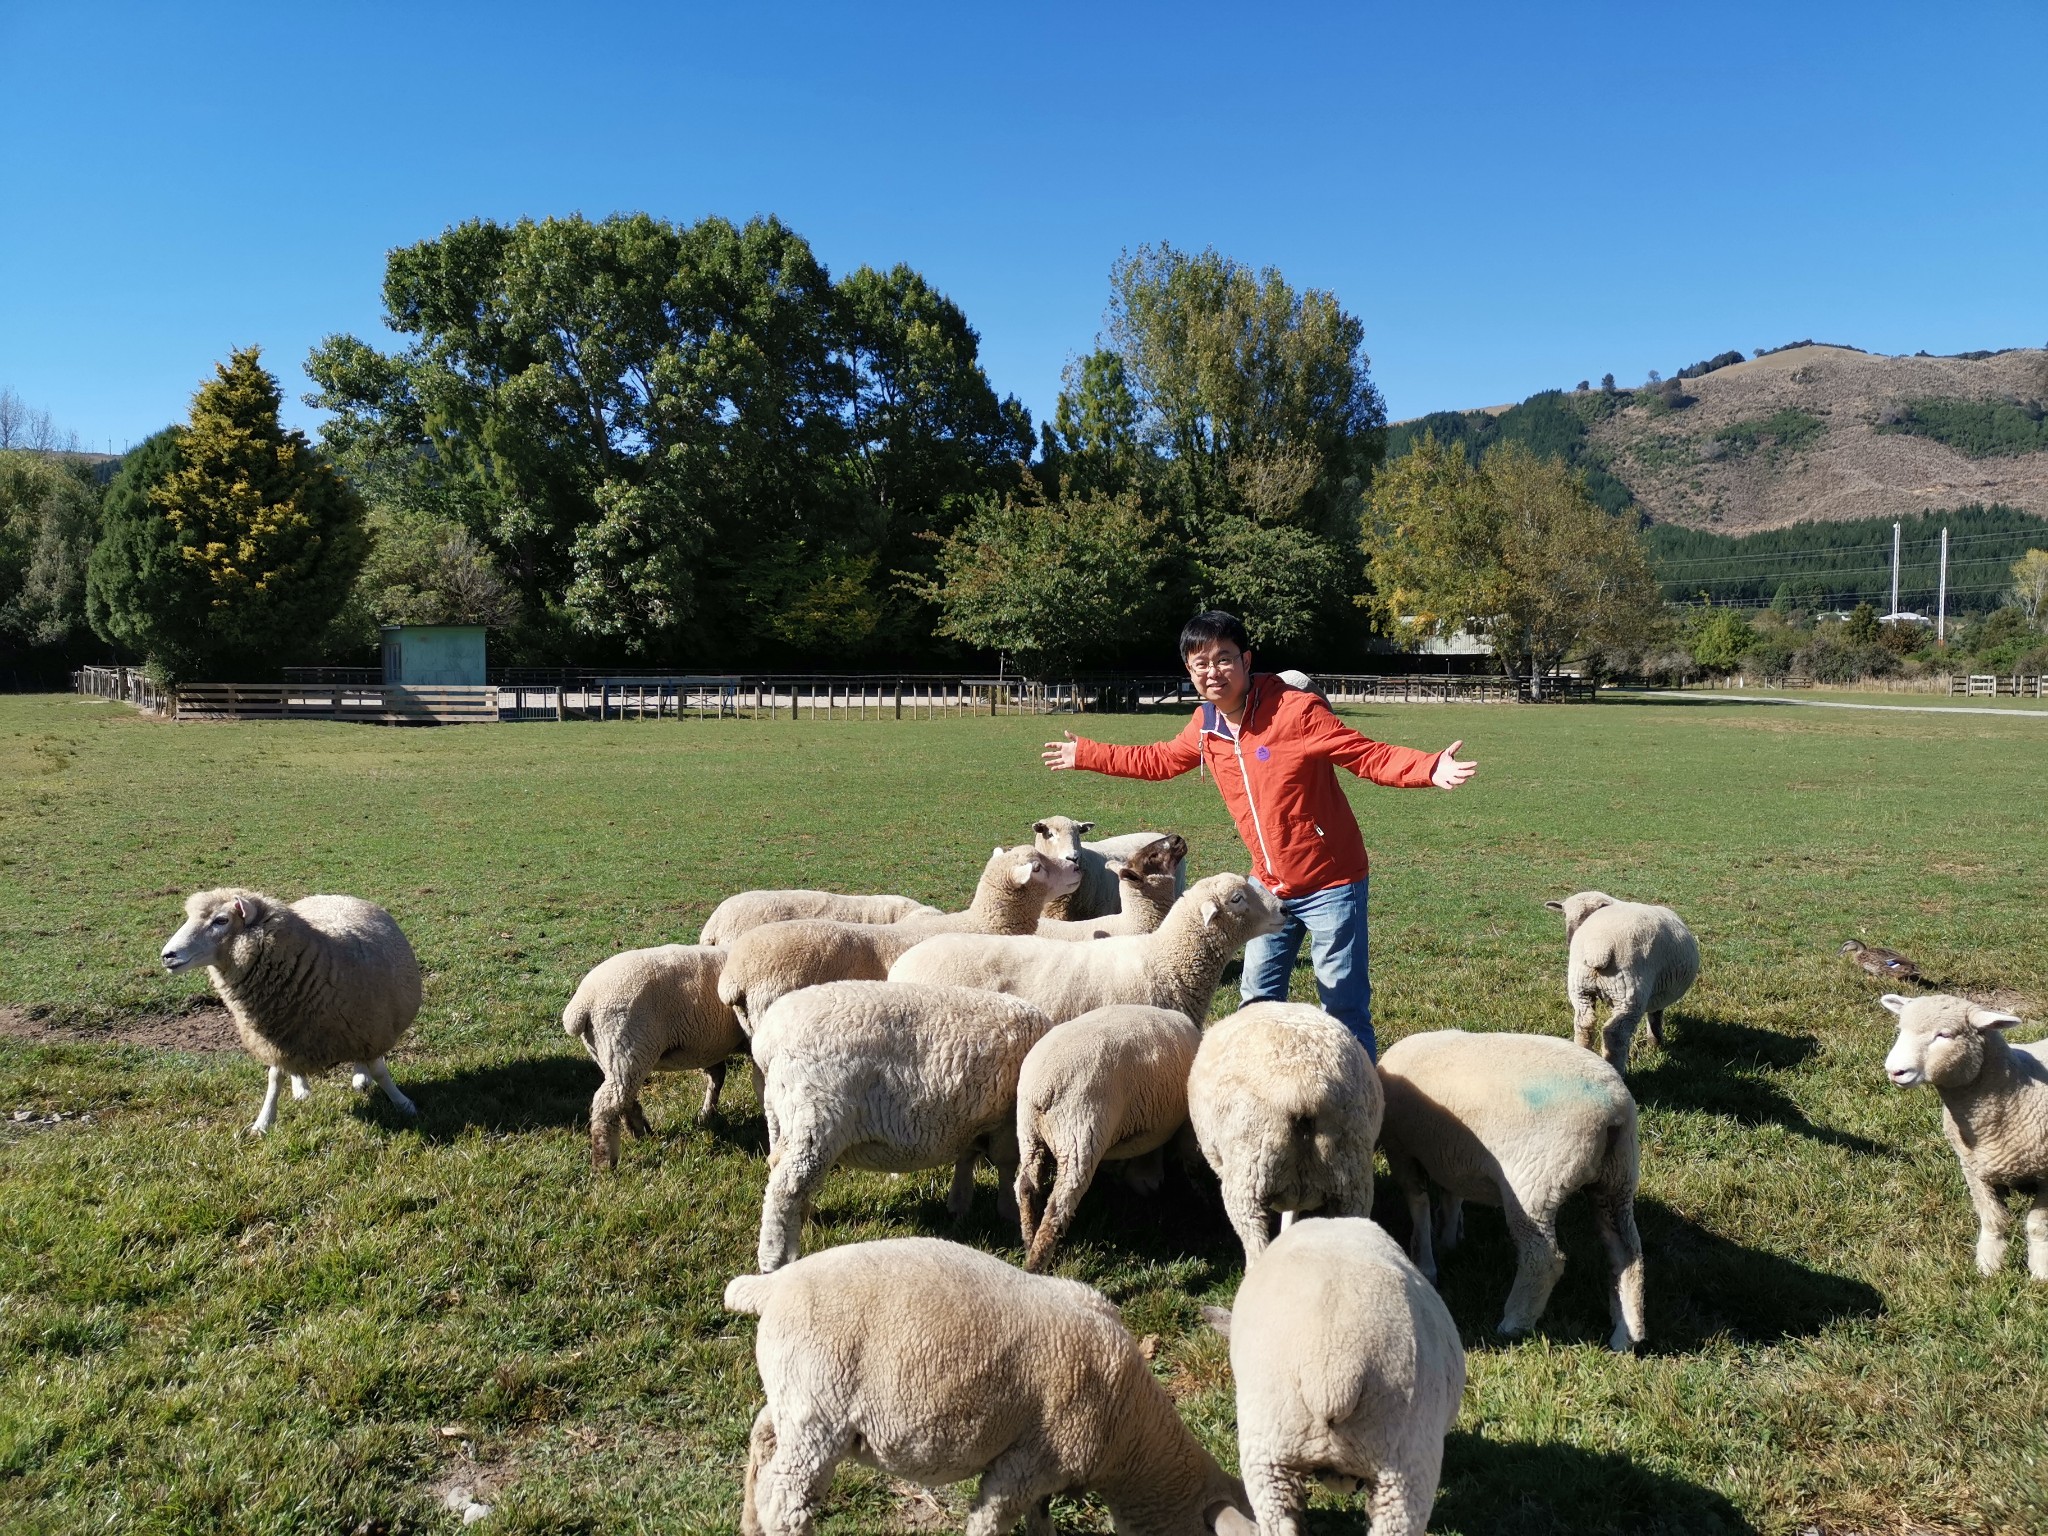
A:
750,909
1286,1106
1349,1370
1106,1087
647,1011
937,1363
1639,958
324,980
1518,1121
1175,967
881,1075
1096,895
1149,883
771,961
1994,1110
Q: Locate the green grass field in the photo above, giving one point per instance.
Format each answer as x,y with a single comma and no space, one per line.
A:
324,1330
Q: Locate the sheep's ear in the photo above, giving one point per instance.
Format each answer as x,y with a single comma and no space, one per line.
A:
1209,911
1992,1018
1040,829
1177,846
1894,1002
245,909
998,852
1217,1318
1084,826
1025,872
1229,1520
1555,906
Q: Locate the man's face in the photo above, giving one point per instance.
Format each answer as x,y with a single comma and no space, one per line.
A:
1221,673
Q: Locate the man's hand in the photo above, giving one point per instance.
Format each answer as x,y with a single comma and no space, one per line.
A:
1060,754
1449,773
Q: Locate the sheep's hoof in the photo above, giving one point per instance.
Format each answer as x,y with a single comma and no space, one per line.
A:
259,1128
1621,1341
1514,1328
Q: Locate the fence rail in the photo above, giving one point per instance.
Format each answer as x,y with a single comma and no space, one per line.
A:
1989,685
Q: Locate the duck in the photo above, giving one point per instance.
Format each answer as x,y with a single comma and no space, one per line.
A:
1888,964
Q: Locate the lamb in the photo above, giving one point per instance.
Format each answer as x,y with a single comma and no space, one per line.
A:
1059,837
750,909
1640,958
935,1363
766,963
647,1011
883,1075
1175,967
1518,1121
1994,1110
1286,1106
1149,883
1108,1086
324,980
1349,1369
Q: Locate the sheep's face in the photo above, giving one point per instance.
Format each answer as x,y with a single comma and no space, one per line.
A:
212,919
1158,857
1578,908
1941,1039
1059,839
1024,866
1235,905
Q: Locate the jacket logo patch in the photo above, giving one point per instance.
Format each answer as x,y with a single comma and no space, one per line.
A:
1262,754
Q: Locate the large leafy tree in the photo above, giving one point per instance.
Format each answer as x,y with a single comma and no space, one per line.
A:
49,515
227,544
1513,550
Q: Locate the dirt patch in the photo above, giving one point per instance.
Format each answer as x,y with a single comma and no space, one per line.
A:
199,1029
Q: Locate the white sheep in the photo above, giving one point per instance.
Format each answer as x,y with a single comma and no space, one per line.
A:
1148,884
937,1363
1640,959
881,1075
1349,1370
647,1011
1286,1107
1107,1087
1096,895
1517,1121
1175,967
325,980
769,962
1994,1110
750,909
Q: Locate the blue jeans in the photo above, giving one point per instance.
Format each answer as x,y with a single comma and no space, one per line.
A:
1335,921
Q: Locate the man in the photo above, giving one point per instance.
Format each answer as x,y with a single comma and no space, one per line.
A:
1271,748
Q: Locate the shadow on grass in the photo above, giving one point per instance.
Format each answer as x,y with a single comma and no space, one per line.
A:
1717,1068
1516,1488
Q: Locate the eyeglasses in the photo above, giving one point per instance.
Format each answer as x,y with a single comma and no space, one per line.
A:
1212,665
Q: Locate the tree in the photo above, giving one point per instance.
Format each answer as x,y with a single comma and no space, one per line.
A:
1512,550
1057,582
1720,638
49,515
2030,587
1093,437
228,543
1861,627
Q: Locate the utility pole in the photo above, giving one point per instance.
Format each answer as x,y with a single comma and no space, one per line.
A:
1895,570
1941,602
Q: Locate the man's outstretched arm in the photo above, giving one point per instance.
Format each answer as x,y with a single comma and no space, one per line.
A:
1159,760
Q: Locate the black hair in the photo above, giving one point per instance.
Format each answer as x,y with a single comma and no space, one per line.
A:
1215,624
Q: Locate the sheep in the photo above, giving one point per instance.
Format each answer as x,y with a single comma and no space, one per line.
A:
1994,1110
310,985
767,962
1640,958
937,1363
1109,1086
883,1075
1059,837
750,909
647,1011
1175,967
1349,1369
1286,1106
1148,883
1518,1121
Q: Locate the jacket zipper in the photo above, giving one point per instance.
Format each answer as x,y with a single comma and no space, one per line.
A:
1243,773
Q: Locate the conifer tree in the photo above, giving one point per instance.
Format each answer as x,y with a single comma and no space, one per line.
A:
227,545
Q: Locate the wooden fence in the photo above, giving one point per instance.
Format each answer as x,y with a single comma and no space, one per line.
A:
1988,685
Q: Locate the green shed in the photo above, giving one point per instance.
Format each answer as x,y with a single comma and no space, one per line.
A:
416,654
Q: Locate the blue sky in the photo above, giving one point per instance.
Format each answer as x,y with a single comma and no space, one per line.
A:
1509,197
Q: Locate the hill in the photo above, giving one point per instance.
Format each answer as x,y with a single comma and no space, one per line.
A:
1804,433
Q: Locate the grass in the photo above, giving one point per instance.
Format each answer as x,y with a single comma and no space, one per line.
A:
322,1331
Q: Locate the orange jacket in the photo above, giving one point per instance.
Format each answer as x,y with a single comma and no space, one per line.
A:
1275,774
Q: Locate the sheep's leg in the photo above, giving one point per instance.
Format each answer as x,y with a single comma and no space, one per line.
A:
266,1117
359,1077
1002,1152
1244,1205
608,1108
1278,1495
1414,1186
1538,1263
398,1100
760,1448
788,1476
299,1089
1614,1039
1034,1163
1656,1022
960,1196
1615,1210
802,1162
714,1081
1581,998
1012,1490
1076,1167
2037,1235
1145,1175
1400,1503
636,1119
1450,1220
1993,1220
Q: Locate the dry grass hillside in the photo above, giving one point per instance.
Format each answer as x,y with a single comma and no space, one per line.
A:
1711,464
